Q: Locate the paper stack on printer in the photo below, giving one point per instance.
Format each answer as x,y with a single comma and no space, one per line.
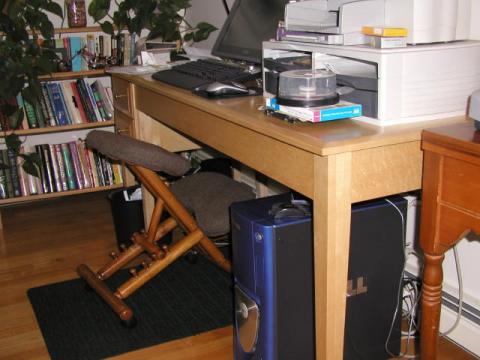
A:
310,96
340,22
337,22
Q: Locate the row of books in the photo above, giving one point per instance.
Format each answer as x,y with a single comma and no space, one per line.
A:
66,103
67,166
76,51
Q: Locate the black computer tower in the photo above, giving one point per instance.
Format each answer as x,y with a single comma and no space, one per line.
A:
273,268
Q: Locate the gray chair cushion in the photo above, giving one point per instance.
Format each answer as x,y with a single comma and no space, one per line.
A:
136,152
208,197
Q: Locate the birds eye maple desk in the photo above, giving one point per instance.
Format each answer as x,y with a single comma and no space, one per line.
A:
335,164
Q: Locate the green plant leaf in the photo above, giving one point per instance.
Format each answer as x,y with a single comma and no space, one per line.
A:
54,8
8,109
31,163
107,27
16,118
203,32
46,28
13,143
188,36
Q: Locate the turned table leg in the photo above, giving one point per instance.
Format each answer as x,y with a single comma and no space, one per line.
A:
431,305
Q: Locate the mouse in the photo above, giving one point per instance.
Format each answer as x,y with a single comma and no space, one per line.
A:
226,88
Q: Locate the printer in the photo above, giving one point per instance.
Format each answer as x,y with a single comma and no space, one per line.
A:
427,21
425,81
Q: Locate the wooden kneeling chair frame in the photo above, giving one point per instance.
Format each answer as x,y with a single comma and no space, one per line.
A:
161,256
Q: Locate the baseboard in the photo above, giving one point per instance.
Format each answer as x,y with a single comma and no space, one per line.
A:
467,332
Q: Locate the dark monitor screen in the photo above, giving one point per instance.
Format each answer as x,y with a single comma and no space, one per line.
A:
249,23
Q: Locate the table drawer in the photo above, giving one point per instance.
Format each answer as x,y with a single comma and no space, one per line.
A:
122,96
461,184
124,124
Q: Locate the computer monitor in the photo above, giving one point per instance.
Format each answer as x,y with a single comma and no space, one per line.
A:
249,23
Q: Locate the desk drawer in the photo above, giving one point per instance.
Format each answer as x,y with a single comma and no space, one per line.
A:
122,96
461,184
124,124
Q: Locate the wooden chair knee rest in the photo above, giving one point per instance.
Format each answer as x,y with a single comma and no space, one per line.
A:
205,195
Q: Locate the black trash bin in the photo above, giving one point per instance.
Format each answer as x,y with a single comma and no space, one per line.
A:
127,215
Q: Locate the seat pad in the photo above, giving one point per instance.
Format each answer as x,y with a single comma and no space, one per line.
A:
208,196
137,152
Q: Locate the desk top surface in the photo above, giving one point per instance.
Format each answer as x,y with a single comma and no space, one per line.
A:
322,139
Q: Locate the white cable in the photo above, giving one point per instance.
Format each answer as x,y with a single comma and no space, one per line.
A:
460,293
400,287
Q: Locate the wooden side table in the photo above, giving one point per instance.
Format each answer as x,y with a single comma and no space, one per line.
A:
450,208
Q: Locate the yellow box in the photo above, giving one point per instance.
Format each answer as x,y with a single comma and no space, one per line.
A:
384,31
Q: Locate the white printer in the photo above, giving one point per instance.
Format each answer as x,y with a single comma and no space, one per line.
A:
419,82
427,21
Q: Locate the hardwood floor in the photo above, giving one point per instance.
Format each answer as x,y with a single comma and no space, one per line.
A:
43,242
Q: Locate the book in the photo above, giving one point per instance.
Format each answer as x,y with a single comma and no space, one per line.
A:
22,175
55,169
48,103
70,102
75,43
87,105
87,176
342,110
98,87
93,167
8,174
61,166
3,184
31,114
33,182
68,163
21,106
58,103
92,99
77,168
12,159
117,173
100,104
46,174
384,31
78,102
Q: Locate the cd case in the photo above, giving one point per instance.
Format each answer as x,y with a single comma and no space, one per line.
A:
342,110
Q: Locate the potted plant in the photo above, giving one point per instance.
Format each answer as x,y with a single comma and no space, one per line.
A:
164,19
22,60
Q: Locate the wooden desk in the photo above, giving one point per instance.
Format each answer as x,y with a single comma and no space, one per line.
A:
450,206
335,164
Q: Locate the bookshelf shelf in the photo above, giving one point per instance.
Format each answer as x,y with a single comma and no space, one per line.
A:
68,75
19,199
55,129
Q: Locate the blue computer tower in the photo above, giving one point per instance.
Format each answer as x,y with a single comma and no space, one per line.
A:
272,249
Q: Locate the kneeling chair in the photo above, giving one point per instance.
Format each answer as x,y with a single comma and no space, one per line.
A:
198,203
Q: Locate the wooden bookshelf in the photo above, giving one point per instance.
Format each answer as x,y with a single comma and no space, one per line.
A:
58,76
18,199
55,129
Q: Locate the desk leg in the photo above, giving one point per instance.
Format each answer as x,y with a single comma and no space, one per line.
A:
431,305
332,216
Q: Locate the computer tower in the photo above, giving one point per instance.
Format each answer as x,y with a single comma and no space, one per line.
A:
273,279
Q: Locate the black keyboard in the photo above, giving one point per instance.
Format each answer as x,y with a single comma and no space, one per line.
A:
194,74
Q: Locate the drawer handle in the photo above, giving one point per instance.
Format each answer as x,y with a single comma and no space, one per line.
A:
122,131
119,96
